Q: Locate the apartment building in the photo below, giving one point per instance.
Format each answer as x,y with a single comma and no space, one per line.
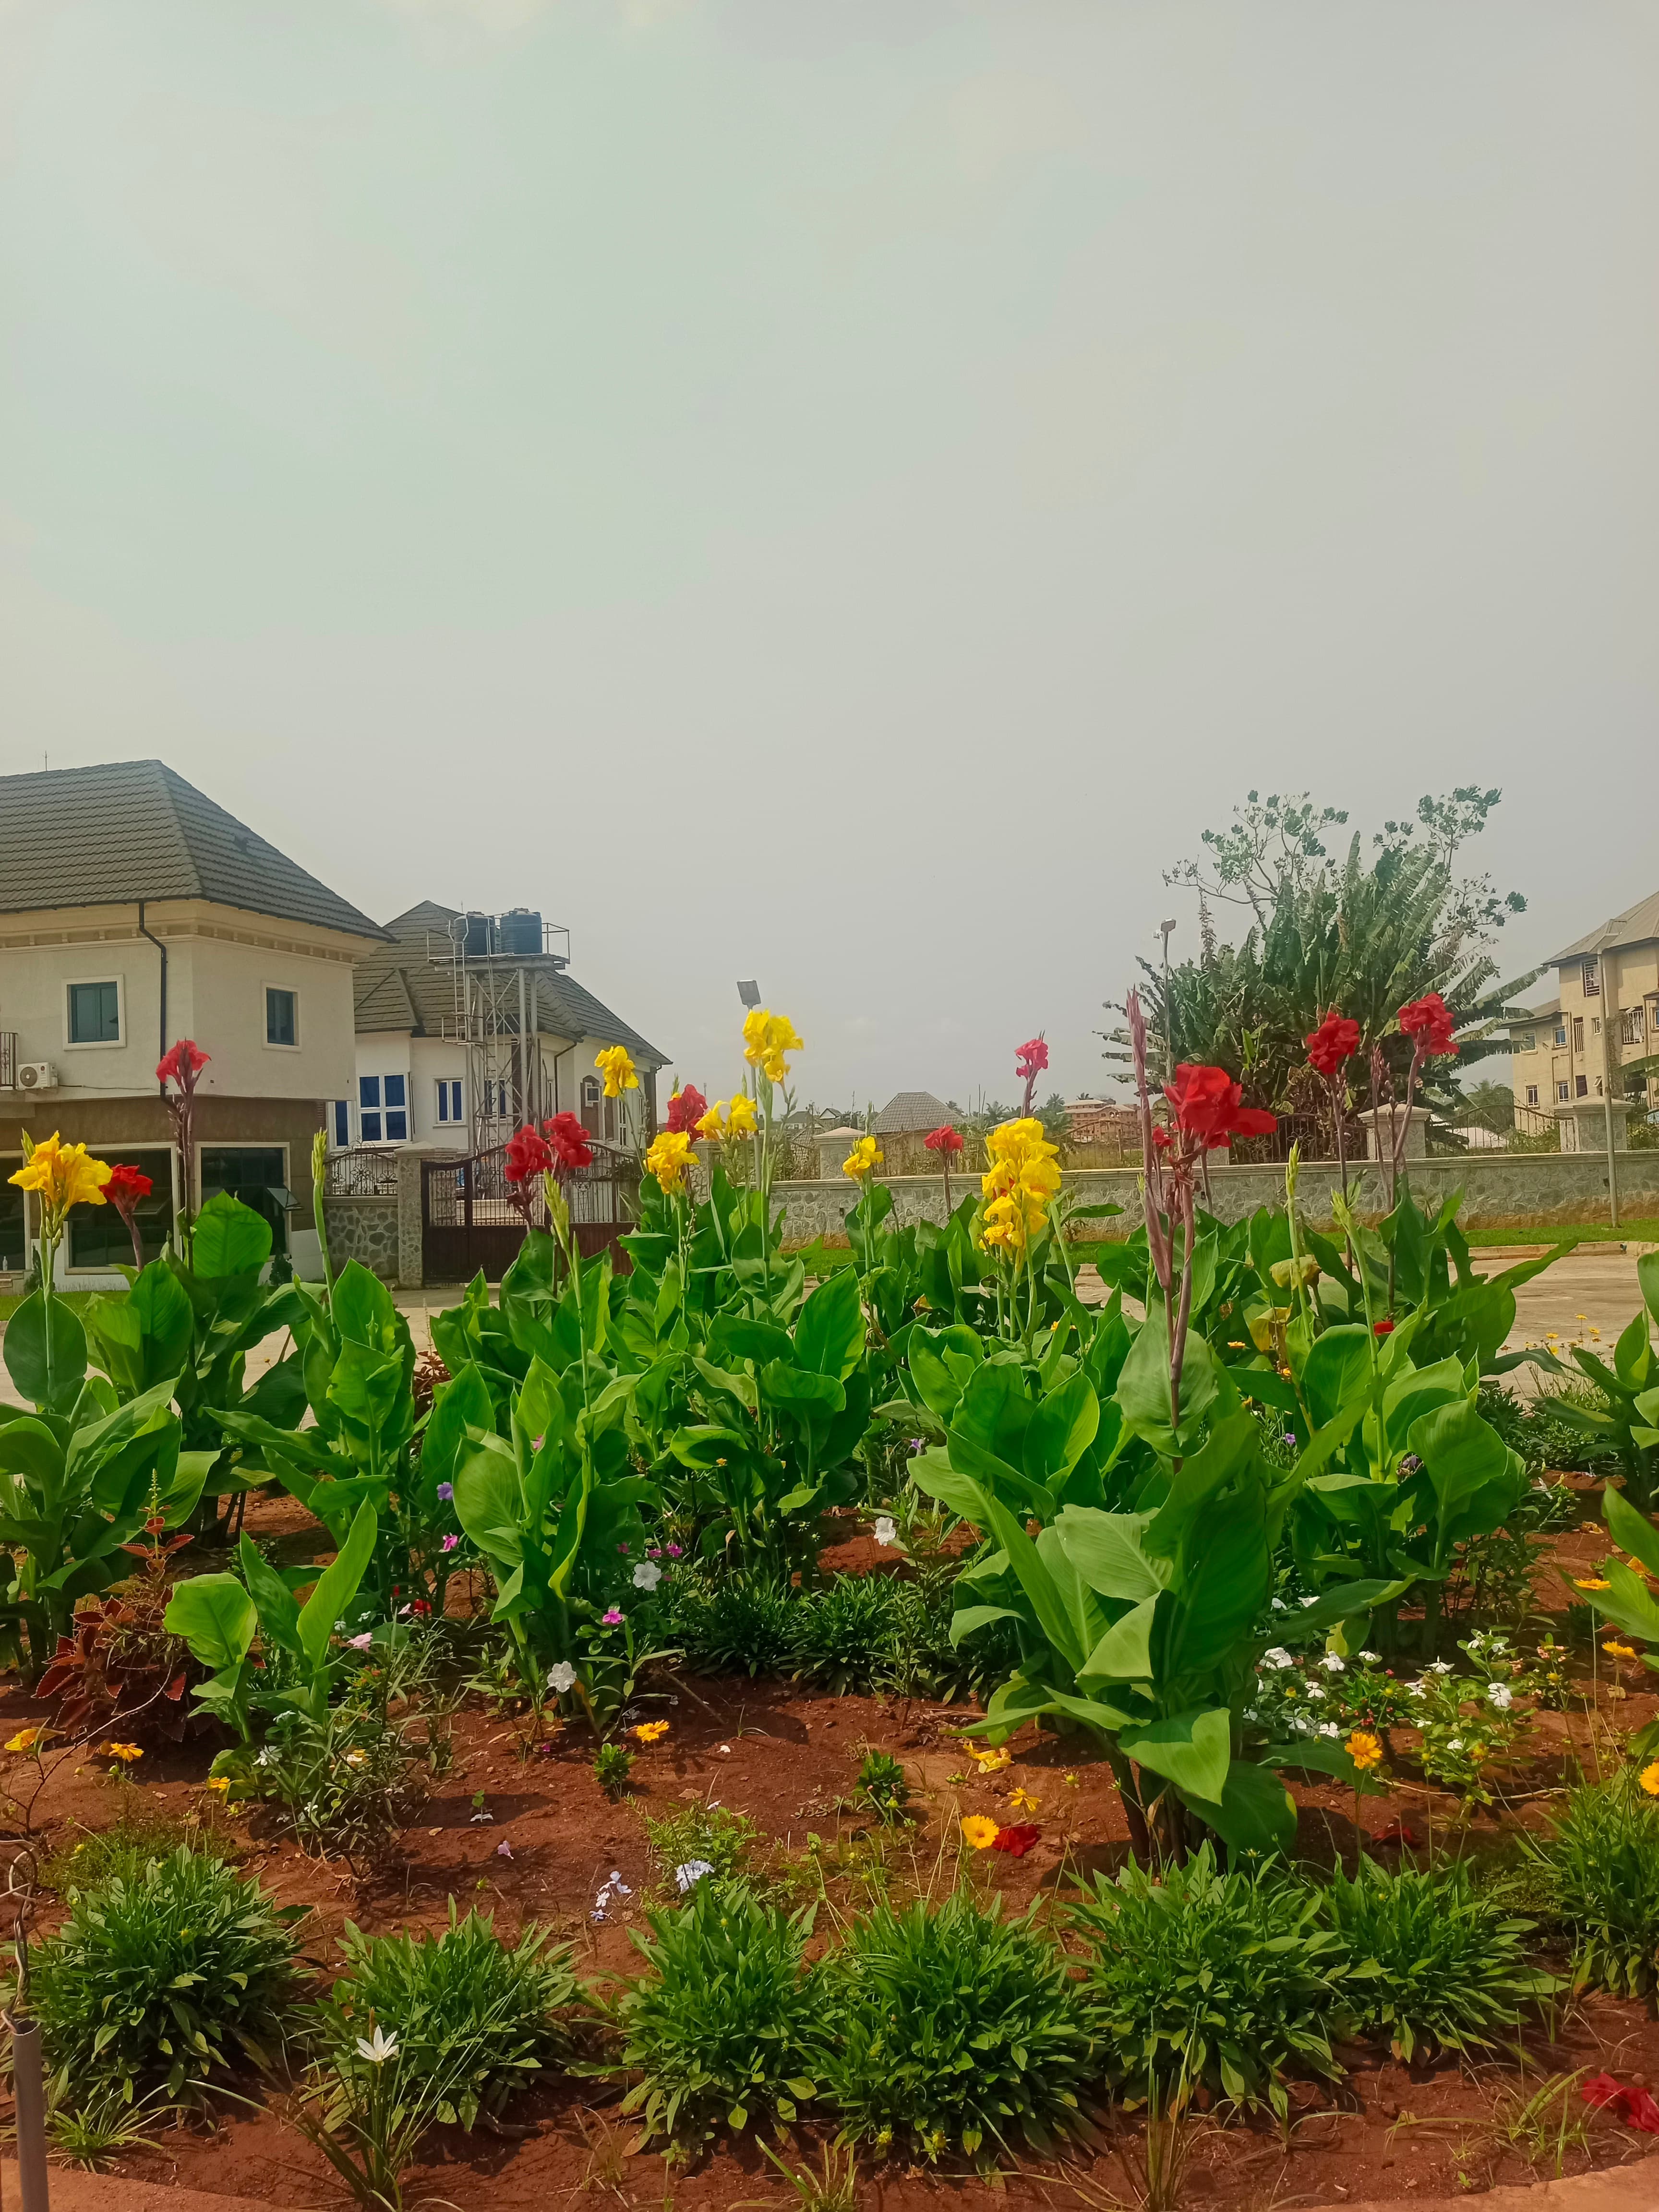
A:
1601,1025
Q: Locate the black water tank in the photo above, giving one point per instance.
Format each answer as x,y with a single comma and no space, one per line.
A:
521,932
482,937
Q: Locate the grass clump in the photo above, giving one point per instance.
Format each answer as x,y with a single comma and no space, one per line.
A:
468,2011
708,1838
1437,1964
884,1789
726,2025
955,2030
1224,1978
1597,1874
164,1977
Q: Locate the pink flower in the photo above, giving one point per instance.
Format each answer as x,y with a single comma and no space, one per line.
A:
449,1543
612,1619
361,1643
503,1850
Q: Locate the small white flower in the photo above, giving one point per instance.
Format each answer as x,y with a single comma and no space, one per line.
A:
1418,1689
886,1528
689,1875
1371,1658
1316,1689
562,1678
1439,1667
1277,1656
1280,1606
647,1575
1307,1602
1501,1695
377,2052
356,1758
266,1758
1455,1743
1332,1664
1330,1728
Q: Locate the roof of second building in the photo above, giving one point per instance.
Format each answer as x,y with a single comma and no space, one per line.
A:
127,830
907,1110
405,987
1637,925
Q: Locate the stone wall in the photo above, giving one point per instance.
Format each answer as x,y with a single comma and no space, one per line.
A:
1522,1190
364,1230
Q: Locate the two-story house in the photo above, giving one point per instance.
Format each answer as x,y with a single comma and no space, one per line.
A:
1603,1016
471,1024
133,912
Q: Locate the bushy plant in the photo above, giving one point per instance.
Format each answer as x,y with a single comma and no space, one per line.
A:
730,1622
348,1784
612,1765
840,1633
1597,1874
1439,1964
883,1787
706,1838
956,2030
1199,1976
162,1976
469,2013
726,2025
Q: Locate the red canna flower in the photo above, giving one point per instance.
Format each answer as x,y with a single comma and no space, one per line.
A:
1031,1058
1382,1328
1429,1023
1206,1106
685,1109
1632,2104
527,1156
182,1064
125,1188
1335,1040
944,1140
567,1142
1396,1831
1016,1840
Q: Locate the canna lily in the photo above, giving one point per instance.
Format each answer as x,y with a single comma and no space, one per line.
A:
711,1126
1016,1840
944,1141
617,1069
863,1160
26,1739
64,1174
766,1038
668,1158
1207,1109
686,1110
182,1064
528,1155
567,1142
1335,1040
740,1120
1430,1024
979,1832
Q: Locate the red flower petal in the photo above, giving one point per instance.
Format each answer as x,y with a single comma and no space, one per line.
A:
1017,1840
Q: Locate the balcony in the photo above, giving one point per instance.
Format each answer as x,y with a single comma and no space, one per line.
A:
7,1060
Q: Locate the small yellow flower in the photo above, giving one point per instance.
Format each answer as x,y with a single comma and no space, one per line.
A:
667,1157
740,1122
651,1731
26,1739
126,1752
1477,1753
863,1159
1070,1780
1022,1800
993,1761
1648,1778
219,1782
64,1174
1365,1750
979,1832
1620,1650
617,1069
1590,1581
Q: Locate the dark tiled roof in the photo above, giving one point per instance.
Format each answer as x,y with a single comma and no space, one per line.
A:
911,1109
405,988
133,830
1637,925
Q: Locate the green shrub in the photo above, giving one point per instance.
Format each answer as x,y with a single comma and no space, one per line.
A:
348,1784
955,2030
1597,1874
467,2011
1438,1964
884,1789
162,1976
730,1622
704,1836
840,1633
725,2027
612,1765
1226,1978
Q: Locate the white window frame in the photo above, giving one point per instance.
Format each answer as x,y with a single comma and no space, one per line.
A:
118,1042
1532,1094
450,1093
293,992
382,1110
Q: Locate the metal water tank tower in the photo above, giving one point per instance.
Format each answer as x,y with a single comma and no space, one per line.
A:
521,932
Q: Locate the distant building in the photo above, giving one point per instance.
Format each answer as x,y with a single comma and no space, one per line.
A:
1099,1121
1604,1013
908,1117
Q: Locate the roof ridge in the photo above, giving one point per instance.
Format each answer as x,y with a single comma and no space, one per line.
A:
164,778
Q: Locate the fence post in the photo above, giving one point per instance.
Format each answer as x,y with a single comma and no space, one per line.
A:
29,2098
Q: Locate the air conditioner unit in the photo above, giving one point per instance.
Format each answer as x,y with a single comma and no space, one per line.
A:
37,1075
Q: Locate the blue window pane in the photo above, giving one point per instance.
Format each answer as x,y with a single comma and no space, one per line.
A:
394,1092
343,1122
368,1090
369,1126
396,1129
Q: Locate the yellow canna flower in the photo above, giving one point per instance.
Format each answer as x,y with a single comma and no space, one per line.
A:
863,1159
980,1831
1365,1749
1648,1778
991,1761
667,1157
740,1122
711,1125
26,1739
1620,1650
766,1038
617,1069
64,1174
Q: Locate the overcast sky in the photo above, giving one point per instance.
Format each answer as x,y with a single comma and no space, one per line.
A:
841,491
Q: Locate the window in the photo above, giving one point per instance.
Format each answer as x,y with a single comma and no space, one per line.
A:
1596,1025
97,1234
1592,975
390,1126
1598,1086
1581,1085
1532,1094
449,1100
1560,1032
339,1115
254,1174
1633,1030
1525,1041
1578,1033
281,1016
94,1013
1562,1092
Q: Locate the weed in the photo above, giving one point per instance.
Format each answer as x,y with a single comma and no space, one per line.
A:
98,2127
883,1788
834,2188
707,1836
612,1765
1597,1874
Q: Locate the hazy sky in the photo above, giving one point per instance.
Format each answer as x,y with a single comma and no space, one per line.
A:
838,490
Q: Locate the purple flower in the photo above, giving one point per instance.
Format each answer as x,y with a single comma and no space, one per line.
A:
674,1551
503,1850
445,1491
613,1618
622,1548
449,1543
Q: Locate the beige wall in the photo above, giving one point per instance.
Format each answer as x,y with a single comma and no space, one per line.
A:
220,960
1629,991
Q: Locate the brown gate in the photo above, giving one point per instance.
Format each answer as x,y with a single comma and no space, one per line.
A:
471,1216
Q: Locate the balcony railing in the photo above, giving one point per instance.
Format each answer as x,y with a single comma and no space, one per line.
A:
7,1060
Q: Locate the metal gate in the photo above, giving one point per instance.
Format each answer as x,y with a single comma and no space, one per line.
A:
471,1217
